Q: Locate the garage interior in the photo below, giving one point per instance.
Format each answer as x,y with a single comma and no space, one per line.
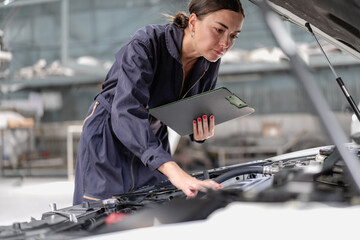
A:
54,55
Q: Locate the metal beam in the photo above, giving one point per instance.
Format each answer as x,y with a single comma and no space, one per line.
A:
64,31
20,3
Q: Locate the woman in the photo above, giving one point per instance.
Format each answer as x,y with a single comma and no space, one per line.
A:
122,147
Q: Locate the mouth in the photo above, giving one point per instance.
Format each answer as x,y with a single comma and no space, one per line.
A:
218,52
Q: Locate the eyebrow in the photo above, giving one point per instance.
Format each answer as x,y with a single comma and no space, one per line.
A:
224,26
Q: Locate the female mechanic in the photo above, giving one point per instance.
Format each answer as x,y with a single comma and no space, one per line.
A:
122,147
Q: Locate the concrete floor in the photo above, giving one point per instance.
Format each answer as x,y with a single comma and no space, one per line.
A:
23,198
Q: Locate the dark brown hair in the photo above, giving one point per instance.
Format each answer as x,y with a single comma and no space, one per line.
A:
204,7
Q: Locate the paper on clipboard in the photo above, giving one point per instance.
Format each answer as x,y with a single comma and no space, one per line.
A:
220,102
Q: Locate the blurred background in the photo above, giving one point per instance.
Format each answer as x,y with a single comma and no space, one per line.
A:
55,55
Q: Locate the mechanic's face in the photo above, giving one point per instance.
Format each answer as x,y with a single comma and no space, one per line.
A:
215,33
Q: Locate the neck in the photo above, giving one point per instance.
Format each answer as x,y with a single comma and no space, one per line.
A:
188,52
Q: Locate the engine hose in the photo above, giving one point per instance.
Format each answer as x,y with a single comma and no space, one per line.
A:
239,171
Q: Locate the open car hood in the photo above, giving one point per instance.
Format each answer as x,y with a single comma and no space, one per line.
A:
335,21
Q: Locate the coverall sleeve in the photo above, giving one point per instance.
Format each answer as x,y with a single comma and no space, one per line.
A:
129,115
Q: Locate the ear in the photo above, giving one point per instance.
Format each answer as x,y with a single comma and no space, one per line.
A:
192,20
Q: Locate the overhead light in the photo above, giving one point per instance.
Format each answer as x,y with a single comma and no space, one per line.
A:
7,2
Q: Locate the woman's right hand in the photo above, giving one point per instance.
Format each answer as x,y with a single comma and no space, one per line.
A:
183,181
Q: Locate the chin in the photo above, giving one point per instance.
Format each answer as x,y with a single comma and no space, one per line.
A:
212,58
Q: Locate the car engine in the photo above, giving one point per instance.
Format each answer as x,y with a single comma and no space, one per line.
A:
313,175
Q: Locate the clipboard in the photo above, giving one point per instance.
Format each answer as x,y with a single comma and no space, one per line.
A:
220,102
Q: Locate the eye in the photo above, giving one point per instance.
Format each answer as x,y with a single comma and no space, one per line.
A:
233,36
219,30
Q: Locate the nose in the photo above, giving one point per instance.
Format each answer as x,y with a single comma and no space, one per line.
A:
225,41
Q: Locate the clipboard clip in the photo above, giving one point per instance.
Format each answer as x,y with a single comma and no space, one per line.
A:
237,102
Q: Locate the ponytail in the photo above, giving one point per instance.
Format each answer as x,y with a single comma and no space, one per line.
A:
181,20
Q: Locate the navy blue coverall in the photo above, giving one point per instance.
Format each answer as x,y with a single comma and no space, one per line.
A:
121,145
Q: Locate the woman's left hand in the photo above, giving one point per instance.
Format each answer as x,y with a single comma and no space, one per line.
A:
204,127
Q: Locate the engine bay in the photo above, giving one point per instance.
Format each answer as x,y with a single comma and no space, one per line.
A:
313,175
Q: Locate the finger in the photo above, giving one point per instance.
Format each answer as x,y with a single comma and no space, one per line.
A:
189,193
195,128
200,128
212,123
212,184
205,126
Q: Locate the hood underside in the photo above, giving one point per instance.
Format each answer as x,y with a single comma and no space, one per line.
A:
336,21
